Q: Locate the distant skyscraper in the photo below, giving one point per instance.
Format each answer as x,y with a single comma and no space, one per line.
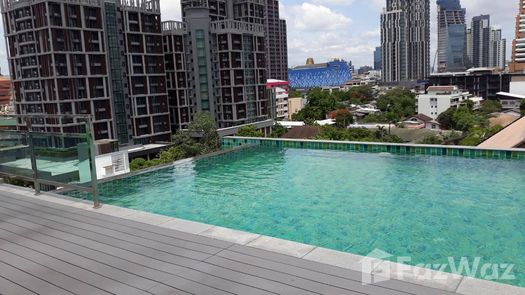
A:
451,36
480,30
276,42
518,45
405,40
486,47
470,49
497,50
378,59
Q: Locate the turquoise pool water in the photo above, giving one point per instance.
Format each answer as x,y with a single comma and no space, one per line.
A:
428,208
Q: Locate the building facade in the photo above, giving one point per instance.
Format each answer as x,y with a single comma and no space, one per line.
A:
518,45
6,93
451,36
498,50
405,40
278,93
175,48
483,83
89,57
217,60
276,42
439,99
378,59
486,46
332,74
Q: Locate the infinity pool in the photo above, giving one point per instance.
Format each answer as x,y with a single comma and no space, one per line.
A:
426,207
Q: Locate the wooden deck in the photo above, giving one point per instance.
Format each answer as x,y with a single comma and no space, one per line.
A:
46,248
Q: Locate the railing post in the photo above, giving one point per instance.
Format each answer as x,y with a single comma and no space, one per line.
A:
31,147
93,163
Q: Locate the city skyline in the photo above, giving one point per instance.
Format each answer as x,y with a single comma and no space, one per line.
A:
347,29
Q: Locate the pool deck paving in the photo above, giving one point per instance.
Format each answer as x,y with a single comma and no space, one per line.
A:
51,244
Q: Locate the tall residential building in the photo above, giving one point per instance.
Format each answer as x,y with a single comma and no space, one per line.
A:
480,34
405,40
497,50
451,36
488,47
378,57
469,49
518,45
276,42
222,49
175,48
102,58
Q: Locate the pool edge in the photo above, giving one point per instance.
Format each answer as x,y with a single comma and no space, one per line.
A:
452,283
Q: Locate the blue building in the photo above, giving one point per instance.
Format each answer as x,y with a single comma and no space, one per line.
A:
331,74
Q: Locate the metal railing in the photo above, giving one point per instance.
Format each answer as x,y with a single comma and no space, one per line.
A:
32,151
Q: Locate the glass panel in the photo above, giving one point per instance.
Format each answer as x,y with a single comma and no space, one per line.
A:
58,151
62,159
15,158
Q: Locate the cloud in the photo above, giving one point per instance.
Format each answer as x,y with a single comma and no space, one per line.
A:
316,18
334,2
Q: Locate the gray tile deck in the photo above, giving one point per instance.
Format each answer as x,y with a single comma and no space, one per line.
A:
54,248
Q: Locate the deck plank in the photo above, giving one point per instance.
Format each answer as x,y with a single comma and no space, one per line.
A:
96,243
120,223
8,287
35,284
311,280
335,271
75,265
49,248
150,275
49,275
132,236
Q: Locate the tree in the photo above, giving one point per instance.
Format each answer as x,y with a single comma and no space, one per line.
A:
381,132
478,135
249,131
446,119
278,131
188,146
204,125
464,119
490,106
354,134
343,118
522,107
319,104
361,94
398,101
137,164
172,154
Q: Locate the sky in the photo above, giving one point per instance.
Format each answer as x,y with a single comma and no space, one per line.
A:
348,29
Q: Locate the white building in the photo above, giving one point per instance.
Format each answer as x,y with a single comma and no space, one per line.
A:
512,99
279,97
438,99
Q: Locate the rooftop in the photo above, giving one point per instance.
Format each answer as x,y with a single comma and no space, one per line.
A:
513,136
54,245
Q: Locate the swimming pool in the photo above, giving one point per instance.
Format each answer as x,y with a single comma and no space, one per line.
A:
426,207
